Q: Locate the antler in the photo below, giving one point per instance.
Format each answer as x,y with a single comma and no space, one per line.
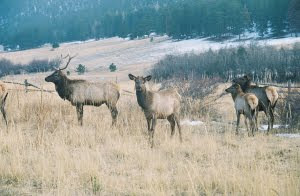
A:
69,60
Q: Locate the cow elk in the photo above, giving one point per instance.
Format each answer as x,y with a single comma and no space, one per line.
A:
246,104
267,97
81,92
3,96
163,104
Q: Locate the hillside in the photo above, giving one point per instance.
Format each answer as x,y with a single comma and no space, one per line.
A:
134,56
32,23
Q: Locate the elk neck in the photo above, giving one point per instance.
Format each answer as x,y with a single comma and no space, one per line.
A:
237,93
144,98
62,87
246,85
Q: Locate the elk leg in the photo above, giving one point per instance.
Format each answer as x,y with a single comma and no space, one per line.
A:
114,113
152,130
149,124
266,111
252,123
246,123
79,110
253,126
171,120
256,119
271,116
3,109
4,113
237,122
177,119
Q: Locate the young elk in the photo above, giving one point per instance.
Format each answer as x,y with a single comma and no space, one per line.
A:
244,103
81,92
267,97
164,104
3,96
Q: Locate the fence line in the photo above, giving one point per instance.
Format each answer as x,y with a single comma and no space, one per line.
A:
279,86
27,84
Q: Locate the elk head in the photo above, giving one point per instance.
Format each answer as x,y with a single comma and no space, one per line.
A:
242,80
234,89
140,81
57,75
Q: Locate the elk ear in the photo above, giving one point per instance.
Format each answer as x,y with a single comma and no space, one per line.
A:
131,77
148,78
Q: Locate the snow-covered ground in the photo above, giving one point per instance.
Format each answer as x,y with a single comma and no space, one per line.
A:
131,52
265,127
288,135
192,122
135,56
200,45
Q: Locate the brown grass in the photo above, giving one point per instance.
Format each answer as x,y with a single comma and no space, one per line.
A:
45,151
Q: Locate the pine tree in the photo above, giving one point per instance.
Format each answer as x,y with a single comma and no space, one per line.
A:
294,16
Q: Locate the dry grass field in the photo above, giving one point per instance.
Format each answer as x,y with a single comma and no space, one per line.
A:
45,151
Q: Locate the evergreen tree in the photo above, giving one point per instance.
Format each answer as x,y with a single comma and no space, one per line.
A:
294,16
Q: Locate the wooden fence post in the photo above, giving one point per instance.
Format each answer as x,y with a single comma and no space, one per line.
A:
26,85
288,104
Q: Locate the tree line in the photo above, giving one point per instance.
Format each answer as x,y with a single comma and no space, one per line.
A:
31,23
262,63
9,68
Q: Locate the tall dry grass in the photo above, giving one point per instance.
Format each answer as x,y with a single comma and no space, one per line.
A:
45,151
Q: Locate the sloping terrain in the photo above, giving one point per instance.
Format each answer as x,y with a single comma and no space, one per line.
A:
135,56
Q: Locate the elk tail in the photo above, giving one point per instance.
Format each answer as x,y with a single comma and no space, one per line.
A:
272,95
252,101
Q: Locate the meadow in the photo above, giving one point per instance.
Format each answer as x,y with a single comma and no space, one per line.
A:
45,151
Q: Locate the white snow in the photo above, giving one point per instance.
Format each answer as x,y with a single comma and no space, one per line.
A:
201,45
128,54
265,127
288,135
191,122
79,42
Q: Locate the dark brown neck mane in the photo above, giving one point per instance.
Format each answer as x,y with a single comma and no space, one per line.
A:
143,98
61,87
246,86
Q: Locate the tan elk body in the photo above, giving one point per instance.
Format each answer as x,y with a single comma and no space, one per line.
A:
267,97
3,96
164,104
246,104
81,92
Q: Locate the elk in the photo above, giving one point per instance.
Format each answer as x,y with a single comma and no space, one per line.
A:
163,104
3,96
246,104
267,97
81,92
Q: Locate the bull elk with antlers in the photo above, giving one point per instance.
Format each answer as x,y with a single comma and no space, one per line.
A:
81,92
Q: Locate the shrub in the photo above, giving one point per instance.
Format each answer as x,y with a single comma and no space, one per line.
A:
55,45
112,67
81,69
193,93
